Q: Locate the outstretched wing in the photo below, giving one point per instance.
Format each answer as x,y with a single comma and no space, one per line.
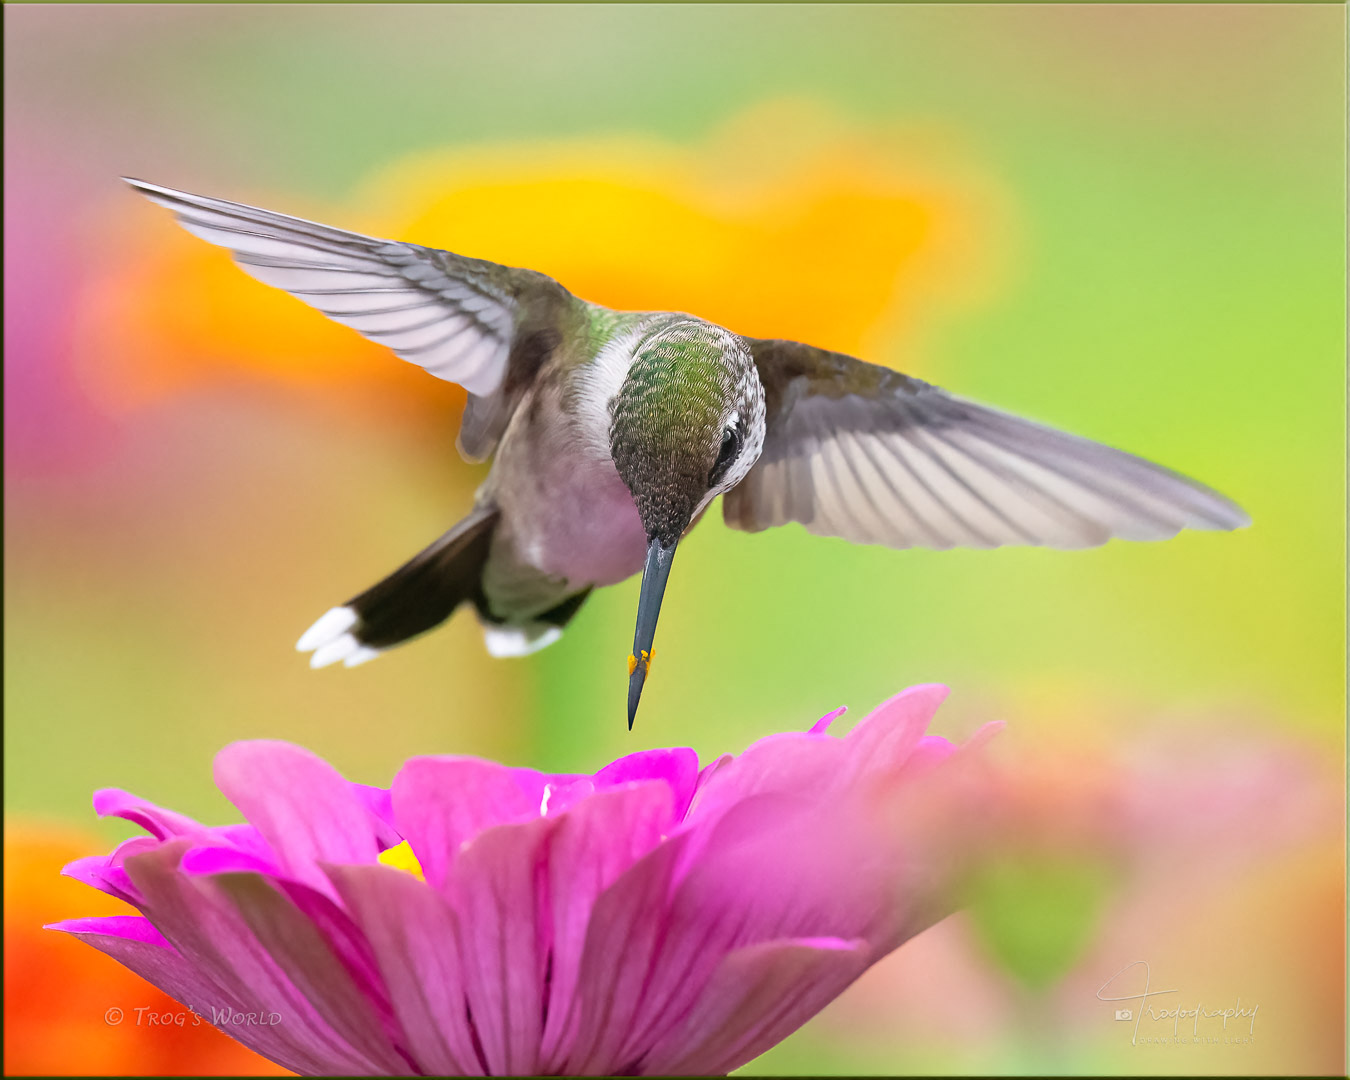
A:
865,453
457,317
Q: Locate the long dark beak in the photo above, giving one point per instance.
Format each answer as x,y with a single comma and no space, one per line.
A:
654,574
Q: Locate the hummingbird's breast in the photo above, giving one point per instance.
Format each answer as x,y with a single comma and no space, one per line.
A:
567,519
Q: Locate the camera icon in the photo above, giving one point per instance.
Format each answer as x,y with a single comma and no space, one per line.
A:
1124,1014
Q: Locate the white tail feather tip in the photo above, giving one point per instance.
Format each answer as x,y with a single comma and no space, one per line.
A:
334,651
506,641
329,626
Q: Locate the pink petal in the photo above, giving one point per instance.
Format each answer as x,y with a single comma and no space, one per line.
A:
557,796
223,860
774,867
130,927
246,838
677,767
440,803
791,762
142,951
349,945
495,888
707,773
928,753
100,872
294,941
334,924
983,734
758,996
300,805
592,845
411,929
160,823
821,726
380,803
885,737
625,931
236,970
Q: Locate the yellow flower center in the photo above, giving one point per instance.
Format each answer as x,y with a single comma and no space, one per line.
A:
401,857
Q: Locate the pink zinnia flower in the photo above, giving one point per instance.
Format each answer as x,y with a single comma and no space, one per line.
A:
651,918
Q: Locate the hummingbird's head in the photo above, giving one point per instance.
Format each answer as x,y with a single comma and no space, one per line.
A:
687,424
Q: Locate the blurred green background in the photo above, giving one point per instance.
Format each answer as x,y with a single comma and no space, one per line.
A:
1124,221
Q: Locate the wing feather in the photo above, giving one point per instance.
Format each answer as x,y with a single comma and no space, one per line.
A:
861,452
456,317
905,527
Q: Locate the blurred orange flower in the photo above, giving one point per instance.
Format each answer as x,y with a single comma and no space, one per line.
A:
789,223
70,1010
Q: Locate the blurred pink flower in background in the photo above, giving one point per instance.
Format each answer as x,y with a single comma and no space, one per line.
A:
1120,834
651,918
1102,853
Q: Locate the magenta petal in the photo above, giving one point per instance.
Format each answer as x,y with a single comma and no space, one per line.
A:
223,860
300,805
129,927
103,874
442,802
885,737
411,929
708,771
592,845
182,981
293,940
790,762
343,936
983,734
758,995
821,726
677,767
928,753
160,823
380,803
135,845
246,838
559,795
235,970
627,925
776,866
495,888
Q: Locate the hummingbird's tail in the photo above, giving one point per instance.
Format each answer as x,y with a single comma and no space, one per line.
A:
420,594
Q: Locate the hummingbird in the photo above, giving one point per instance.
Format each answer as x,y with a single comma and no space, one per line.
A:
611,432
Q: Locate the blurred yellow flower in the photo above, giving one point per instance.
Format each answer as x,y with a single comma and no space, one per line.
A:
788,223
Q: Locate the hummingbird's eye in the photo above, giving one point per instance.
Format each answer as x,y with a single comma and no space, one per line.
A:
731,448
